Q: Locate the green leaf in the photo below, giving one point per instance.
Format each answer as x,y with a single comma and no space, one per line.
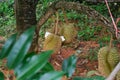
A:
81,78
52,75
89,78
20,48
35,76
97,78
8,46
32,65
69,65
91,73
1,76
48,67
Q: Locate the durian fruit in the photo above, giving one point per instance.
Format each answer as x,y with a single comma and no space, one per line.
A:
103,65
52,42
113,58
68,31
108,58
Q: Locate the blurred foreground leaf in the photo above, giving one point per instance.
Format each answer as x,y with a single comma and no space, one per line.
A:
52,75
89,78
7,46
48,67
1,76
20,48
32,65
69,65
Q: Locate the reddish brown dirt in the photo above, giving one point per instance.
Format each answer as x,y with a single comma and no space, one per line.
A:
83,65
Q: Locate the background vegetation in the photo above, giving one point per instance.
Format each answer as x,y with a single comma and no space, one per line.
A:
86,32
7,17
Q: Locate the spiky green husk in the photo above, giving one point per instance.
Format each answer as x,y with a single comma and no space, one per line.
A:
68,31
103,65
108,58
113,58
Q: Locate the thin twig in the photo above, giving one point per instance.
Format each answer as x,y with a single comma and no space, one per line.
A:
65,16
56,25
116,29
111,40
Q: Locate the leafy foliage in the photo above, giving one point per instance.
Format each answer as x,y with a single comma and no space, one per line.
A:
92,55
7,18
69,65
48,67
101,7
53,75
91,78
7,46
17,59
87,29
33,66
22,45
1,76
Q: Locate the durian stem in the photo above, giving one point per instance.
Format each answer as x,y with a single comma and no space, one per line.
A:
54,20
56,25
114,72
65,16
111,40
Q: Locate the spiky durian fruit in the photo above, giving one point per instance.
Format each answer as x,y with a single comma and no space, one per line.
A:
103,65
52,42
68,31
113,58
108,58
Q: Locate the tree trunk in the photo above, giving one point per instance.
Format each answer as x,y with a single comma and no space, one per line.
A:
25,14
25,11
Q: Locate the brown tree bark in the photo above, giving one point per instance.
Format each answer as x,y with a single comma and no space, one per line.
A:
25,14
25,11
